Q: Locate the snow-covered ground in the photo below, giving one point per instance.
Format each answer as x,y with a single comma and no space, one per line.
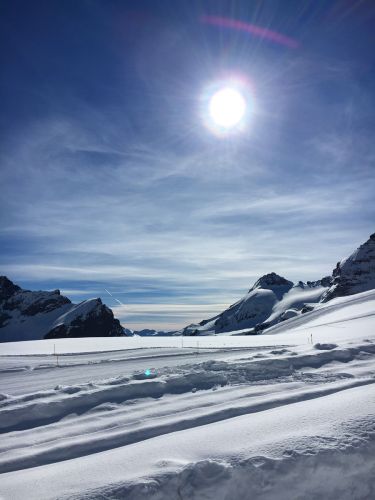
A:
285,415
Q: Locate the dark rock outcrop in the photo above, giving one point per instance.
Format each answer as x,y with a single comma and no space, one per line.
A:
271,281
355,274
96,320
7,288
25,302
31,303
274,282
27,315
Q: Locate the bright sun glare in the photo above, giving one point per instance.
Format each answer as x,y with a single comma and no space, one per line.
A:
227,107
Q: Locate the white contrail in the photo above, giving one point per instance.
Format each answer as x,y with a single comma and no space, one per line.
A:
114,298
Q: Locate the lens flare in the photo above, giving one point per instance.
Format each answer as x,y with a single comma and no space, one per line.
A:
257,31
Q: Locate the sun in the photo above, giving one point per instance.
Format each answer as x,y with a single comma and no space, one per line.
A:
227,108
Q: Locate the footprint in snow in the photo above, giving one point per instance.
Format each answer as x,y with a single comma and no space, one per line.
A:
279,351
325,347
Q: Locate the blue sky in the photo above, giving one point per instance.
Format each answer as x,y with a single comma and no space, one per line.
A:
111,179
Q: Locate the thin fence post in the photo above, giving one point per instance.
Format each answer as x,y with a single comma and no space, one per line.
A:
55,354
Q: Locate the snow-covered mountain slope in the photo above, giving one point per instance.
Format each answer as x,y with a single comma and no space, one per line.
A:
266,417
354,274
27,315
150,332
271,299
339,310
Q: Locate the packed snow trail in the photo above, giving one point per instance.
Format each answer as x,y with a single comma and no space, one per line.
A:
17,373
241,457
266,417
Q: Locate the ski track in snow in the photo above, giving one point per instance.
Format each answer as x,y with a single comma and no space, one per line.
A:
247,420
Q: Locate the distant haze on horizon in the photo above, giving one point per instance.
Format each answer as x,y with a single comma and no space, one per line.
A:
114,178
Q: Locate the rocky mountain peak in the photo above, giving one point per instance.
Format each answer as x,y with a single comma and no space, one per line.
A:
26,314
355,274
7,288
271,281
90,318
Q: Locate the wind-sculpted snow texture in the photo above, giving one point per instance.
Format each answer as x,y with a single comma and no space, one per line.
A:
272,416
27,315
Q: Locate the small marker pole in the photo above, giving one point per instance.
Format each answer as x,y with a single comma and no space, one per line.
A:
55,354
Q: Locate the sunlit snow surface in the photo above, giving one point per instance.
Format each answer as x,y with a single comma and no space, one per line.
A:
288,414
